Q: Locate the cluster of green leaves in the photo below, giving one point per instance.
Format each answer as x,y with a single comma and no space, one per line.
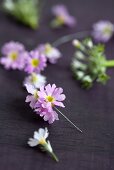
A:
89,63
26,11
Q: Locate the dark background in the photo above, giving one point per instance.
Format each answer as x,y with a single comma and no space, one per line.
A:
93,110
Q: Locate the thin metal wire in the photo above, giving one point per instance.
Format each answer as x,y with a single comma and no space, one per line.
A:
61,41
69,120
70,37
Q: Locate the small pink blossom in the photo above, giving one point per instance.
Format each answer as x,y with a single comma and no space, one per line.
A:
36,80
33,97
62,16
35,62
44,101
52,53
48,97
51,96
14,55
48,114
103,30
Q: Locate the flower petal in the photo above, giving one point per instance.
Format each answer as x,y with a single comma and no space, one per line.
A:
32,142
59,104
30,88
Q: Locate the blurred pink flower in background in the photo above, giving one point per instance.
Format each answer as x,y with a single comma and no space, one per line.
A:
62,16
33,97
52,53
36,80
14,55
103,30
35,62
44,100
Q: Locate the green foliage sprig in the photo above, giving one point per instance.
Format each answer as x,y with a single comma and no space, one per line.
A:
26,11
89,63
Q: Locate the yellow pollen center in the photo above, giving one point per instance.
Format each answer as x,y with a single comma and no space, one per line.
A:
13,55
36,94
107,30
35,62
60,19
50,99
34,78
48,48
42,141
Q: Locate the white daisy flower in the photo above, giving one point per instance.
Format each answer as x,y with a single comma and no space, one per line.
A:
52,53
103,30
37,80
39,138
33,95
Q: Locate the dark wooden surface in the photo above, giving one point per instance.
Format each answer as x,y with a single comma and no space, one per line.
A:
92,110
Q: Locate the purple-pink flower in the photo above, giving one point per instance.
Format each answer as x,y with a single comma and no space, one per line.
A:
62,16
44,101
103,30
51,96
33,97
36,62
52,53
14,55
48,114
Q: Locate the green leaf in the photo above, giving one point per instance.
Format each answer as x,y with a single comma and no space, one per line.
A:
92,63
25,11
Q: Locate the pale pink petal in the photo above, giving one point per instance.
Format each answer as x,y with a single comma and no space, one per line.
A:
30,88
58,104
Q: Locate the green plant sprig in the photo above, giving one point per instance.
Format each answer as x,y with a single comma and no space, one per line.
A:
89,63
25,11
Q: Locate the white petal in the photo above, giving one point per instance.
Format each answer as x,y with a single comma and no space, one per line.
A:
41,133
32,142
31,89
49,146
40,82
46,133
37,135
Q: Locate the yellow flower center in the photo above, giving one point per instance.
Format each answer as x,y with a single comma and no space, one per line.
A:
42,141
13,55
34,78
48,48
107,30
35,62
60,19
50,99
36,94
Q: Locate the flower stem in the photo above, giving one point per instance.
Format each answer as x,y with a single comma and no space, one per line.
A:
70,37
109,63
54,156
68,120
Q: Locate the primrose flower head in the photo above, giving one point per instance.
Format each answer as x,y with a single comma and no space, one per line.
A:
44,100
39,138
33,97
76,43
62,17
14,55
36,80
51,96
26,12
48,114
36,62
89,64
103,30
52,53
